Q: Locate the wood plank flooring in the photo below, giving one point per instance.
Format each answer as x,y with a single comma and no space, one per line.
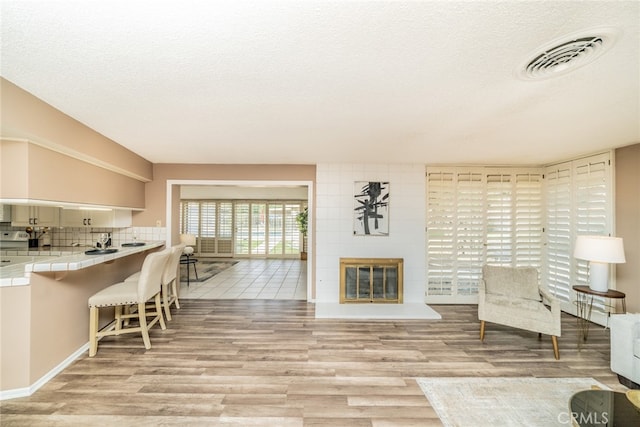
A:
271,363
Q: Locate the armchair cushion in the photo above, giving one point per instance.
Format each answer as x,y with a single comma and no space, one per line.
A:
513,297
512,282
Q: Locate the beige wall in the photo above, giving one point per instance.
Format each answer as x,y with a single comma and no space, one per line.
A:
25,116
14,163
15,323
628,223
44,323
156,191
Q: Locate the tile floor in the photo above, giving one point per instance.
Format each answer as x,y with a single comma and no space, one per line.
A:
253,279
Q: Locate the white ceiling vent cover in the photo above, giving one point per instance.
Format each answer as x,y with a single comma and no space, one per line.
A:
567,54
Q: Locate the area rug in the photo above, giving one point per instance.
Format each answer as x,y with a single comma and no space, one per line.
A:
206,270
519,401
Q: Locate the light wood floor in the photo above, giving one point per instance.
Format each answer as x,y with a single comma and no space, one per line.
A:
271,363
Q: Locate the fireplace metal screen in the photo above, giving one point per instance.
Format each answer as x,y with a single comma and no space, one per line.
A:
367,280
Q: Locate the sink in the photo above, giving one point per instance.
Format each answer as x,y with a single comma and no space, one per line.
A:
100,251
129,245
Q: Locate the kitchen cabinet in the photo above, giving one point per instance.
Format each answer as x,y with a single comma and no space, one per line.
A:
5,213
95,218
41,216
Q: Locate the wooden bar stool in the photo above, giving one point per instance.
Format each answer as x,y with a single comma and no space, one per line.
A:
169,282
125,294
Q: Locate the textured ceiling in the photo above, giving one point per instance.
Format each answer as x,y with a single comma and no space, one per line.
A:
318,81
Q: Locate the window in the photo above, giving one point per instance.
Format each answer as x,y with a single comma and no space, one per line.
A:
243,228
514,217
579,202
211,222
477,216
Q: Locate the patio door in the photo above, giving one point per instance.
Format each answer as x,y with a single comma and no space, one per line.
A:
267,229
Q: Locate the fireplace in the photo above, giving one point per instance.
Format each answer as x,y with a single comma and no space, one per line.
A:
371,280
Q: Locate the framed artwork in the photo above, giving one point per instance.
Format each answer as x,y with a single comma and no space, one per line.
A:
371,208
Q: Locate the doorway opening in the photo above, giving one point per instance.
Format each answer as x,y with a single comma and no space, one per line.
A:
247,224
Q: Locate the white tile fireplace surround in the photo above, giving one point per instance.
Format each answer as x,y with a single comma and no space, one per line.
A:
335,239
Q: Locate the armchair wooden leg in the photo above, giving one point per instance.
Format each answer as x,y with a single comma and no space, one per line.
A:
556,351
481,330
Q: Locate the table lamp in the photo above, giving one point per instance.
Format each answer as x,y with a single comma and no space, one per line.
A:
189,240
600,251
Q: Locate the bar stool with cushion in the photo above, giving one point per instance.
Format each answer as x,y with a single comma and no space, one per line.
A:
190,241
169,281
124,294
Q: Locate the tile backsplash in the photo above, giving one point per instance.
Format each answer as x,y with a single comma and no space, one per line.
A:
84,236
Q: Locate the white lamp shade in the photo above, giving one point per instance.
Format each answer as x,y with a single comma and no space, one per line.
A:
600,249
188,239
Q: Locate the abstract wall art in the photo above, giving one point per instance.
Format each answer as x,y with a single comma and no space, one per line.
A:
371,210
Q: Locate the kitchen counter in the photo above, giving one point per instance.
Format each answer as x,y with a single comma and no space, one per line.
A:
61,260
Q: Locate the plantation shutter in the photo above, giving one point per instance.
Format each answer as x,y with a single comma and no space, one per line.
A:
499,219
528,241
224,238
558,231
477,216
292,235
441,217
579,202
190,217
469,234
207,227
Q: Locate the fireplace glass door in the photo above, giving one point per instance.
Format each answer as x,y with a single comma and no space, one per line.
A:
370,280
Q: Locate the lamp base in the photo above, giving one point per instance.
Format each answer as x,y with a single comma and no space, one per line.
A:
599,276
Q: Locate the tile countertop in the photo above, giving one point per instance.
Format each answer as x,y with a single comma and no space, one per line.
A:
61,259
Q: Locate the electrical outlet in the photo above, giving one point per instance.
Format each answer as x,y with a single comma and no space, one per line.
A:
158,223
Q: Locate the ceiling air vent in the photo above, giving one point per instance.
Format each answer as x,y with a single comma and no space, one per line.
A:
567,54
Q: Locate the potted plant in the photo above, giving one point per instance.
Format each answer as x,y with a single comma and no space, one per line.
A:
302,220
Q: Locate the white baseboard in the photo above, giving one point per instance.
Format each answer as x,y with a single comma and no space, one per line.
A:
28,391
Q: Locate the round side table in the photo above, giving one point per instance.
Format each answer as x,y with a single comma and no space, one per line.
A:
584,302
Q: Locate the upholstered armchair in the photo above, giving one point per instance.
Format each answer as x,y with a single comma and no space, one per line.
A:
512,297
625,347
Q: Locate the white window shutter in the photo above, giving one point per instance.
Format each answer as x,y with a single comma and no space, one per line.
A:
558,230
528,220
500,227
579,202
441,216
469,233
477,216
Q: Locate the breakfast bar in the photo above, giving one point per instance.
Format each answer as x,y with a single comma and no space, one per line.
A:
44,315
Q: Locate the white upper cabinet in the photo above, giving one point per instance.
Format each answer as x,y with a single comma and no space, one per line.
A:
40,216
95,218
5,213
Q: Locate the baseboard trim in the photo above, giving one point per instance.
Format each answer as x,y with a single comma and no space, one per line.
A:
28,391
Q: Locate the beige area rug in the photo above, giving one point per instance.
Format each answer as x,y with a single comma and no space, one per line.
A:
521,401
